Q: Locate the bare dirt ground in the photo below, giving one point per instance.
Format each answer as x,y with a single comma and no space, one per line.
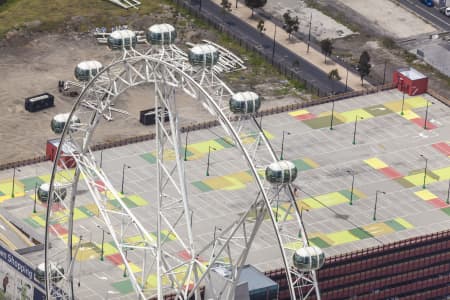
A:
33,63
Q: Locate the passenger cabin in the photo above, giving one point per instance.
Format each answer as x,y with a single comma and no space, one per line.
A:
161,34
203,55
308,258
122,39
60,120
44,189
85,70
56,271
245,103
281,172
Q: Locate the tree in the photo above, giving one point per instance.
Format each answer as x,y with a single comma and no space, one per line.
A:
334,76
327,48
255,4
226,5
260,26
290,23
364,66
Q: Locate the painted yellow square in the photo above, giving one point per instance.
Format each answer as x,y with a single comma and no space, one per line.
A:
444,173
6,188
203,147
309,202
404,223
396,106
138,200
293,245
417,102
351,115
417,179
359,193
217,183
409,114
310,162
425,195
86,253
135,240
60,216
78,214
376,163
108,249
300,112
378,229
93,208
134,268
39,220
234,184
341,237
325,114
243,177
171,236
332,199
268,135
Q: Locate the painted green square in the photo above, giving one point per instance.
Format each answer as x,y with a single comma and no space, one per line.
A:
223,142
446,210
188,153
115,203
32,222
378,110
30,182
128,202
321,122
403,182
149,157
124,287
347,194
360,233
86,211
202,186
301,165
395,225
2,194
317,241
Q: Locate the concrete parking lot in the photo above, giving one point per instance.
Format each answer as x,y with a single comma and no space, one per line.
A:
385,150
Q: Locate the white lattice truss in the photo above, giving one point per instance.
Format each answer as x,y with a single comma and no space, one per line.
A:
155,255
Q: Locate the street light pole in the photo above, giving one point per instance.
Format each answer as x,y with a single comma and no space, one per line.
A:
101,158
273,48
425,171
35,196
384,72
209,154
448,193
426,116
123,175
353,184
332,116
185,146
375,207
124,265
309,33
354,131
13,181
346,80
282,144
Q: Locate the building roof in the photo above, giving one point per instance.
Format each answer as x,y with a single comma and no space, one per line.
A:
255,279
412,74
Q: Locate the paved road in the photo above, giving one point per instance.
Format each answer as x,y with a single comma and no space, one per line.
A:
307,71
429,13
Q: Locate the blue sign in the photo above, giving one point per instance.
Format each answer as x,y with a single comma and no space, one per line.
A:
16,263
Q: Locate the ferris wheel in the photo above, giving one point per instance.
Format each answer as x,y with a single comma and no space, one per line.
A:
169,71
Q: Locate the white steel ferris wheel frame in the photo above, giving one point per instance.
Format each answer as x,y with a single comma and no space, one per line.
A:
184,278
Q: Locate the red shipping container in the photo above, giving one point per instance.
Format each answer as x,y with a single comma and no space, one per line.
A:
410,81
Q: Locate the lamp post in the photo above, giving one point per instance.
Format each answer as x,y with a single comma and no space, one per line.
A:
353,184
123,175
13,181
309,33
332,116
384,72
354,131
35,196
346,80
103,241
273,47
185,146
425,171
209,154
282,144
101,158
124,265
375,207
426,115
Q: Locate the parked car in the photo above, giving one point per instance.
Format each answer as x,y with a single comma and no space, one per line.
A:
445,11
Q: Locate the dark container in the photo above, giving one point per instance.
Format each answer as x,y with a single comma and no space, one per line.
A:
39,102
148,116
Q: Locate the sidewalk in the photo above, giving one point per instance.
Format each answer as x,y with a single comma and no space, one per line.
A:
298,47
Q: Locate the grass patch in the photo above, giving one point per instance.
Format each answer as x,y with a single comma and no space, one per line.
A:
52,14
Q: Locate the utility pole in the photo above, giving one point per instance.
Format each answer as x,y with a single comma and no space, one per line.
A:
309,33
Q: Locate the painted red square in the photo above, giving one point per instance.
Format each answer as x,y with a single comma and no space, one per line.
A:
115,259
58,229
100,185
442,147
438,203
390,172
421,122
305,117
186,256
